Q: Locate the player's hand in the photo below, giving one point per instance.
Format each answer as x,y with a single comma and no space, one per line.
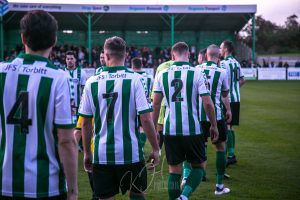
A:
214,134
153,160
87,162
228,116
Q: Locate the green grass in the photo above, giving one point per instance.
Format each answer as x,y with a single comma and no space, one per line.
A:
268,149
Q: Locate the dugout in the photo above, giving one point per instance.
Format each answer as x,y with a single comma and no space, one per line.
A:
139,25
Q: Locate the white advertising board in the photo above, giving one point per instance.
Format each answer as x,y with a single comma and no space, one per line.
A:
271,74
249,73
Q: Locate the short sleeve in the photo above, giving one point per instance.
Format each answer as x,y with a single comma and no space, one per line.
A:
141,102
225,85
83,78
85,108
65,112
157,85
203,84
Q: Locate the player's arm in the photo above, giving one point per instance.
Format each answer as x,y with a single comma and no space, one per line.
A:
68,155
85,111
242,81
208,105
225,97
157,99
64,121
87,134
226,102
210,111
149,129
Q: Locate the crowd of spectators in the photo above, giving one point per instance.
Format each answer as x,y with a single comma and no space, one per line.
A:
150,57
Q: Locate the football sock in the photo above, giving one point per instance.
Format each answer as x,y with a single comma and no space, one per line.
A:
220,165
233,141
230,143
192,182
186,169
174,185
161,139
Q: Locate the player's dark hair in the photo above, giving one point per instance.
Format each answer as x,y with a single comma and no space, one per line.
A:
116,47
229,46
203,52
39,29
136,63
71,53
180,48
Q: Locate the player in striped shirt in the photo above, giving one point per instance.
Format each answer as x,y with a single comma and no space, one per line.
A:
182,86
235,80
187,166
102,63
219,89
37,144
78,77
113,98
147,79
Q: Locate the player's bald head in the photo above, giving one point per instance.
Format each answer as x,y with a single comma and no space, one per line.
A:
213,51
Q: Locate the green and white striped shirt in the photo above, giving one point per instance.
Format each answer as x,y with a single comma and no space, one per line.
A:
78,79
181,85
148,81
234,74
34,101
113,98
218,83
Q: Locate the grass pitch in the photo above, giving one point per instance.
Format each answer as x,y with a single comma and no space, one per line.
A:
268,149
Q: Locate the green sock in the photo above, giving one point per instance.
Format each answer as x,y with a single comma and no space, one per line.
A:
136,197
174,185
229,143
220,165
193,181
186,169
233,141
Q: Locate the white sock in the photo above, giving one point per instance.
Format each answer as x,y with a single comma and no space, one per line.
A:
220,185
183,197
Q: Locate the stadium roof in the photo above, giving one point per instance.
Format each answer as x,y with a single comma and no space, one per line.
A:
139,17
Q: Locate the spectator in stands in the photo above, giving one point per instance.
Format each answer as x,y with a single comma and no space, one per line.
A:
280,64
297,64
286,65
272,64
